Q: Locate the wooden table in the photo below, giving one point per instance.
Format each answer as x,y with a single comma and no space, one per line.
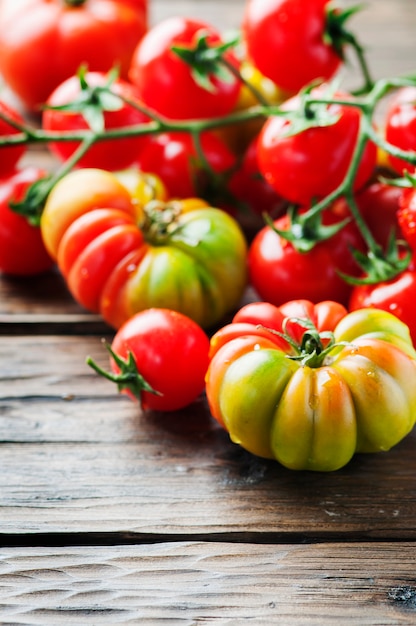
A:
112,516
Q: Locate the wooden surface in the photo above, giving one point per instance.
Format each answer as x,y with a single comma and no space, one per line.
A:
111,516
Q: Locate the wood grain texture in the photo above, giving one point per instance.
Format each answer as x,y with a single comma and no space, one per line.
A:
78,457
187,583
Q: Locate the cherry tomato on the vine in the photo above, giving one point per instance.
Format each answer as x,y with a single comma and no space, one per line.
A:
22,251
112,154
44,42
400,127
174,158
165,81
308,165
279,272
286,40
170,355
9,155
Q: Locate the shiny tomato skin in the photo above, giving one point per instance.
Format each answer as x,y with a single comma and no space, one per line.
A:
278,272
173,158
69,199
360,398
406,216
400,127
309,165
171,353
9,155
108,154
397,296
285,40
22,251
120,257
44,42
165,82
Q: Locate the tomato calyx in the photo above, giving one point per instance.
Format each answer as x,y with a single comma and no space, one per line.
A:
306,229
92,101
31,206
313,348
207,60
129,378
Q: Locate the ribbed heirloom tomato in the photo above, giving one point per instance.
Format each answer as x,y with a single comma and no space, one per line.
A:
310,389
120,257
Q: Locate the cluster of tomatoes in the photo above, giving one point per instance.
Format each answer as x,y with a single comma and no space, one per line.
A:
161,230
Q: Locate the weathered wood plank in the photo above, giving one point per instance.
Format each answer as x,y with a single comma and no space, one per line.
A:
77,457
200,583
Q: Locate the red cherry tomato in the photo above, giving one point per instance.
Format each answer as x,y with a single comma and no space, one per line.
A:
406,216
279,272
312,163
165,81
286,40
44,42
9,155
171,354
400,127
110,155
22,252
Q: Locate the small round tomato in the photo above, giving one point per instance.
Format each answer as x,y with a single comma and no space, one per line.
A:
160,357
397,295
287,41
165,81
406,216
22,251
174,158
400,127
324,395
115,154
44,42
9,155
279,272
308,165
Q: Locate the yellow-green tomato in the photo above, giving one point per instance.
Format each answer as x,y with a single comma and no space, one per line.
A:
325,396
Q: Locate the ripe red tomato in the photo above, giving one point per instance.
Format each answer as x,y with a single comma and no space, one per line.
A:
22,252
406,216
165,81
44,42
109,154
174,159
400,126
278,272
312,163
397,296
170,352
286,40
9,155
379,204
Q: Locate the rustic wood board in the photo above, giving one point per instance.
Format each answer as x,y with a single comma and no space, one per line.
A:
204,583
79,458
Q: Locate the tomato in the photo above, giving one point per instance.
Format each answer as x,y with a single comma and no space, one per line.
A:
400,126
109,154
406,216
44,42
310,164
379,204
9,155
279,272
119,257
315,402
286,40
164,358
173,157
22,252
397,295
165,81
